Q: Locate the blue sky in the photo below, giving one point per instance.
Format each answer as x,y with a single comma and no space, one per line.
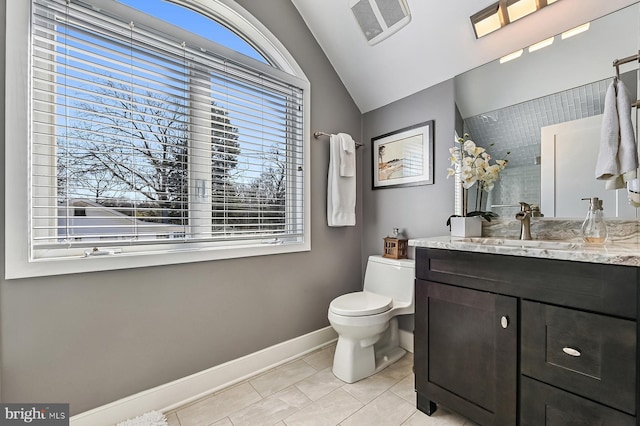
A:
196,23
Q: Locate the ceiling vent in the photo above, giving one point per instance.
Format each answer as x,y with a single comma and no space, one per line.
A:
379,19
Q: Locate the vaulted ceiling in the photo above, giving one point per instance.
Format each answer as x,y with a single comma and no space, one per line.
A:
437,44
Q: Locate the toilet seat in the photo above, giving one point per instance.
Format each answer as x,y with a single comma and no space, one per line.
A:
361,303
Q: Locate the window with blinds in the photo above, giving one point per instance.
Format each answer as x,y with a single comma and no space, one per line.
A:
145,136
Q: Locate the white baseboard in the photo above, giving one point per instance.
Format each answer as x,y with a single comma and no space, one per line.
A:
187,389
406,340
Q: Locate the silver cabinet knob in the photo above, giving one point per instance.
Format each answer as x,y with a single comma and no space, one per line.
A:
571,351
504,321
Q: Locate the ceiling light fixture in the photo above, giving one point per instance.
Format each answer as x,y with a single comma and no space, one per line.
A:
504,12
511,56
520,9
541,44
575,31
487,20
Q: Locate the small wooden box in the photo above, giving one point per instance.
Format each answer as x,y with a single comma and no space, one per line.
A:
395,248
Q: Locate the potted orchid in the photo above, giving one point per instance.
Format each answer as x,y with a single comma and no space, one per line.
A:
472,164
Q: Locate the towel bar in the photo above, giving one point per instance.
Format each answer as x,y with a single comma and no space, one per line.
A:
318,134
618,62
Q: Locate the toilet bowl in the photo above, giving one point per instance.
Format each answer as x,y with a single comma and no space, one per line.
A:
366,321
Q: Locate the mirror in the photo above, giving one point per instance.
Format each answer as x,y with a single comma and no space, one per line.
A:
504,108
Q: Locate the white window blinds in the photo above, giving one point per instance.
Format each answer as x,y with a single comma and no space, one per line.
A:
146,134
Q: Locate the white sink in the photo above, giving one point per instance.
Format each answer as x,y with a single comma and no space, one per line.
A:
534,244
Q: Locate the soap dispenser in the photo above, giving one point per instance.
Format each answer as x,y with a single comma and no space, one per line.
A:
594,230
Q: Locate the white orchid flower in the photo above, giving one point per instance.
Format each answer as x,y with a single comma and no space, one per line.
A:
466,184
470,147
467,162
472,164
477,152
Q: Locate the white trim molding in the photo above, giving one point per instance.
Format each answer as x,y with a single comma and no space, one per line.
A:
172,395
406,340
188,389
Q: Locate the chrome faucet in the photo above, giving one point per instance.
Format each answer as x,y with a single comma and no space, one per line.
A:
524,216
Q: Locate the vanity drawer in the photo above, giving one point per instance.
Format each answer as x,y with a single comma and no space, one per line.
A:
606,289
588,354
544,405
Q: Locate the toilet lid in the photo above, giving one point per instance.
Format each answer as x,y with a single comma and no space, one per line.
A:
360,303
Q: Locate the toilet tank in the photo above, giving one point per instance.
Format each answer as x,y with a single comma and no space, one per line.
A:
390,277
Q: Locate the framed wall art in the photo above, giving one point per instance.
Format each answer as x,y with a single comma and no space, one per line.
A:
403,157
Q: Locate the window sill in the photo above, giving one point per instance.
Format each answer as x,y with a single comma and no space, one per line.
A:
20,268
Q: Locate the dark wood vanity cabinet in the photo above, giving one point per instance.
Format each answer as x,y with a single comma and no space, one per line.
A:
508,340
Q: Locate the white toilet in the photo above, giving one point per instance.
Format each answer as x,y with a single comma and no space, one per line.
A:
366,320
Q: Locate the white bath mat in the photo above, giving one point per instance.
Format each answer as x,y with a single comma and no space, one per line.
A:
152,418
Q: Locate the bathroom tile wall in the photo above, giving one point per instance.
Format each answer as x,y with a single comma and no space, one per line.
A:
516,129
515,185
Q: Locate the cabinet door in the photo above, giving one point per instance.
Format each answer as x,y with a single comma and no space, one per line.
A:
466,352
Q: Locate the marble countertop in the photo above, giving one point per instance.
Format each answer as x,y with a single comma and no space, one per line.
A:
615,253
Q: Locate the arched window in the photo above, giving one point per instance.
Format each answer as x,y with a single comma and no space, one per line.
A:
186,16
171,143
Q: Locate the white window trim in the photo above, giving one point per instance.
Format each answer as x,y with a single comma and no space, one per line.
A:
17,162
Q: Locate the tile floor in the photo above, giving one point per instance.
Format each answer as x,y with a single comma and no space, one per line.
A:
305,392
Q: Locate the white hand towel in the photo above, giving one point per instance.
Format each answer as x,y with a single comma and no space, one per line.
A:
341,190
347,155
618,156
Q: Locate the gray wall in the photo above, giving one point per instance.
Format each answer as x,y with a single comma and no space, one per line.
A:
421,211
90,339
